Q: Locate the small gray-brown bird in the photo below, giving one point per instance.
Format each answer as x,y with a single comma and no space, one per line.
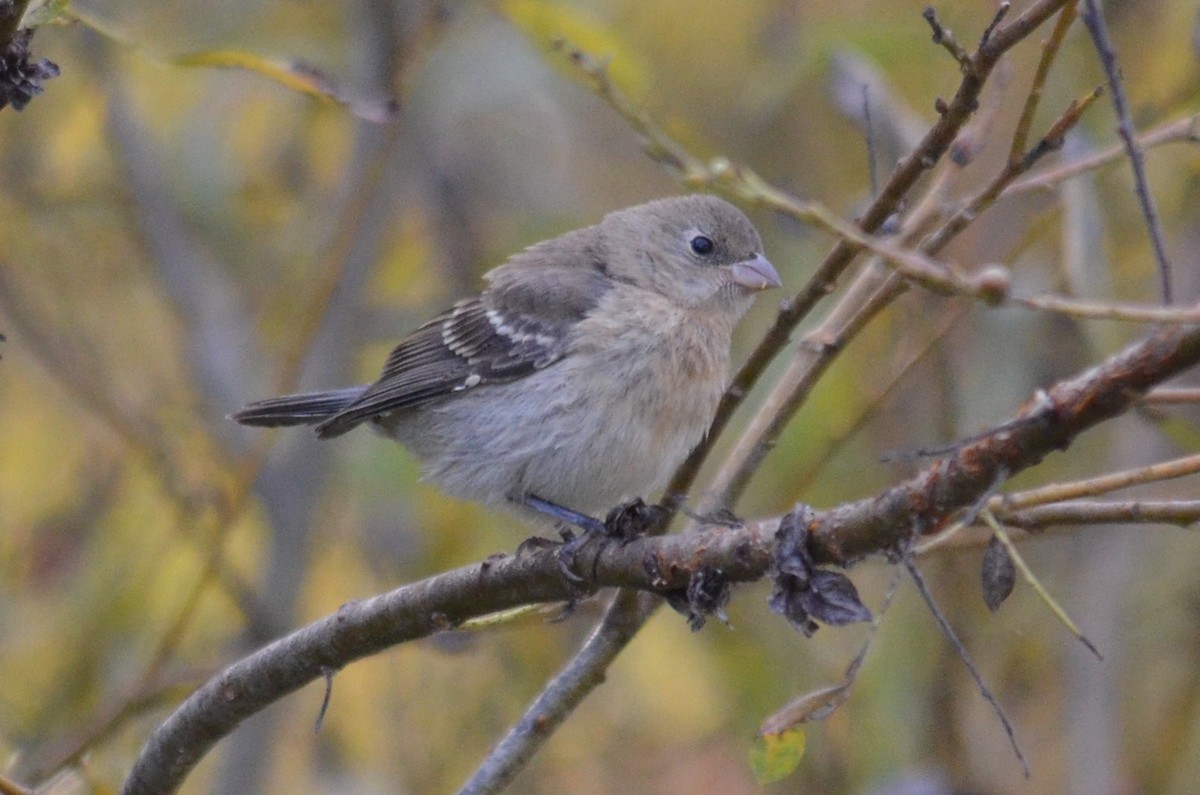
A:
583,375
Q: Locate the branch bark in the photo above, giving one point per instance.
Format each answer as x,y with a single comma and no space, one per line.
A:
922,505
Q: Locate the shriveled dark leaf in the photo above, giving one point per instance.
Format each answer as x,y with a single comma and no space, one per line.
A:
833,599
784,602
999,574
21,77
804,594
706,595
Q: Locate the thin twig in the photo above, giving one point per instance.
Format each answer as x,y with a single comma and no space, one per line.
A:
1058,492
559,698
1108,310
1170,396
961,650
1181,513
1032,579
1050,49
1185,130
1093,17
1017,165
869,136
828,446
945,38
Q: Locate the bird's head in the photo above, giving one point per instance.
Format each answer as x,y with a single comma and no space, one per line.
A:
697,251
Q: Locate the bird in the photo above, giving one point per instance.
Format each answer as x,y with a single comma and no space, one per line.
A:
582,375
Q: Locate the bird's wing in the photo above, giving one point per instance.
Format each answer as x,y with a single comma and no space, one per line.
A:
521,324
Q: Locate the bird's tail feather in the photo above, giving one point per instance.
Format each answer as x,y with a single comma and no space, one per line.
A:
304,409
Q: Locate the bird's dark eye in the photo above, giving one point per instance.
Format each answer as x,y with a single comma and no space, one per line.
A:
702,245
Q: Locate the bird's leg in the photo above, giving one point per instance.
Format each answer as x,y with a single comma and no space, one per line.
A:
572,543
562,515
625,522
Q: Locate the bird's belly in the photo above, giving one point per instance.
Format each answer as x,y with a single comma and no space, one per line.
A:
582,442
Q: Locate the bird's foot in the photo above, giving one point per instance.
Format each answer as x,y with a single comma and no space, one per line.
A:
623,523
635,518
566,518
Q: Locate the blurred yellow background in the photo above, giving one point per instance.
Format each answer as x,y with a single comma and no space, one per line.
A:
178,241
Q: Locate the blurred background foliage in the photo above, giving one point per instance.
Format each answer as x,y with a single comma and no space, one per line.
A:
179,241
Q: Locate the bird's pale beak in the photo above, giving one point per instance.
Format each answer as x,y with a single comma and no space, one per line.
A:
755,273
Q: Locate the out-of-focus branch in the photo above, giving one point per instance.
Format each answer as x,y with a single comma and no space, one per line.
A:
563,693
1093,17
1185,130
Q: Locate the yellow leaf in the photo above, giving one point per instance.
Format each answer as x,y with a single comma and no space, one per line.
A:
775,756
547,23
290,74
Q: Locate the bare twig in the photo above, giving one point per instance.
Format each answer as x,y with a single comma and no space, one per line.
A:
1058,492
1182,513
1185,130
964,655
1170,396
1050,49
563,693
944,37
1018,164
1036,584
1093,17
1108,310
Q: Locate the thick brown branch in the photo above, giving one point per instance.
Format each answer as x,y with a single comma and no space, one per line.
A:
1048,423
418,610
840,535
